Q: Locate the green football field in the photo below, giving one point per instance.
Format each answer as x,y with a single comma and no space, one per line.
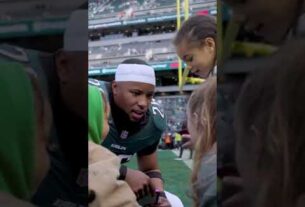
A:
175,173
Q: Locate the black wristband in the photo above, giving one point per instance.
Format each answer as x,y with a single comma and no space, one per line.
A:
154,174
123,172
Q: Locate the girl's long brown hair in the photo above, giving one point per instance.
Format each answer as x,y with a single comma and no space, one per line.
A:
203,103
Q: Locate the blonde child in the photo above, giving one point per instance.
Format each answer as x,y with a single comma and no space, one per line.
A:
201,113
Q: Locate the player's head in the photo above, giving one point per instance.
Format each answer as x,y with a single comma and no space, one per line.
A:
133,88
270,129
72,63
196,44
99,111
266,18
25,123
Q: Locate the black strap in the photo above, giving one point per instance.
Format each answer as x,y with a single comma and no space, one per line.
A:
123,172
154,174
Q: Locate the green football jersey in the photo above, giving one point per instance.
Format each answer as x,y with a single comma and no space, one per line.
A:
125,145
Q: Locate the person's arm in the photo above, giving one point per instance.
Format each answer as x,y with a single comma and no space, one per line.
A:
138,181
149,165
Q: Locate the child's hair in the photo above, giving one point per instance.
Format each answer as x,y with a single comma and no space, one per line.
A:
196,29
270,123
203,103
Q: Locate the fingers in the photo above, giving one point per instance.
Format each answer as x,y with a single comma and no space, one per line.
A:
144,191
163,202
147,190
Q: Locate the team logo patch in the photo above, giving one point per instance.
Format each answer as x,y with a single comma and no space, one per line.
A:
124,134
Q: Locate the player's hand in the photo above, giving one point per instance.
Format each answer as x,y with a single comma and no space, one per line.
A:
188,141
139,182
163,202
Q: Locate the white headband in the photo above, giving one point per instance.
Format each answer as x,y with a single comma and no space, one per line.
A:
76,32
136,73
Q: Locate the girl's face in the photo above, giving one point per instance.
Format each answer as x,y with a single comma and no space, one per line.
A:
199,58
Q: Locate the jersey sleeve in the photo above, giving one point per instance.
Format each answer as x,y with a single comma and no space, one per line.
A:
157,129
104,86
159,116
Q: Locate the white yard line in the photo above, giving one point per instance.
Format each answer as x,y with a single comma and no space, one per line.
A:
185,157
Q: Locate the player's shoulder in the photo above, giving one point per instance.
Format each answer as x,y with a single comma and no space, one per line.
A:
158,115
13,53
100,84
104,86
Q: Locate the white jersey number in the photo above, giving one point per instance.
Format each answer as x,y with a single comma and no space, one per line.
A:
156,109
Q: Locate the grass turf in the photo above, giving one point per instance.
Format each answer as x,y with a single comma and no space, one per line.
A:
175,173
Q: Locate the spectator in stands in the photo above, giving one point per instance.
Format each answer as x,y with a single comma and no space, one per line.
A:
270,146
24,125
196,44
103,164
201,113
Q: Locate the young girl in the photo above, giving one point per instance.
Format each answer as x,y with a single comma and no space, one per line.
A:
201,114
196,44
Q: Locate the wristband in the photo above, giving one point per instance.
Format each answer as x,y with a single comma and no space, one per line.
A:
154,174
123,172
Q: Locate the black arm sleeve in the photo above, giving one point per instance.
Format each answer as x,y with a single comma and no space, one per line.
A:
148,150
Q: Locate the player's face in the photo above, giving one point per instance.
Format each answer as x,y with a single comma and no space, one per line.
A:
269,19
133,98
200,59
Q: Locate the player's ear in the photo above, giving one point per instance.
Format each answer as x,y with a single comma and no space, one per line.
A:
114,86
61,61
